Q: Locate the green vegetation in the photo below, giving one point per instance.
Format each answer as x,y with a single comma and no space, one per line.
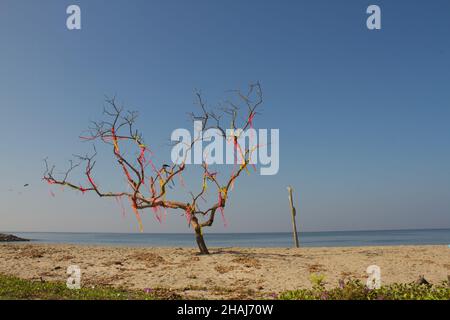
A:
355,290
16,288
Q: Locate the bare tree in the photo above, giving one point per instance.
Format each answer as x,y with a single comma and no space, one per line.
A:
148,185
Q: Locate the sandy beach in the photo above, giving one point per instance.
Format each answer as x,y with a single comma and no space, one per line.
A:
241,273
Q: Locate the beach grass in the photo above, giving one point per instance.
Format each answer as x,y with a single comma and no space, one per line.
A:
356,290
18,289
13,288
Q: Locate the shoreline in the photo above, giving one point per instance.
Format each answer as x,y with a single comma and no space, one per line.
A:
227,272
254,240
194,248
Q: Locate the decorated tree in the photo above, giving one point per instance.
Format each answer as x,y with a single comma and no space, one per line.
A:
149,185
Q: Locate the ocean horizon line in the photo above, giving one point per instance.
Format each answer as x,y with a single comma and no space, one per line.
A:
256,232
251,239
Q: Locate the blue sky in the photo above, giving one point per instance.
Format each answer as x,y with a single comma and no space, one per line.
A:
363,115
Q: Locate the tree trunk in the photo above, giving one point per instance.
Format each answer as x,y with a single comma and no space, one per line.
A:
199,236
201,243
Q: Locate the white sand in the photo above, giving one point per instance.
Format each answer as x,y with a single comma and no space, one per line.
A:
226,273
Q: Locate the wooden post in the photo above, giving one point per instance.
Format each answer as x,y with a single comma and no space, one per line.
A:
293,211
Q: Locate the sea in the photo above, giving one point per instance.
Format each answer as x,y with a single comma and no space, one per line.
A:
283,239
